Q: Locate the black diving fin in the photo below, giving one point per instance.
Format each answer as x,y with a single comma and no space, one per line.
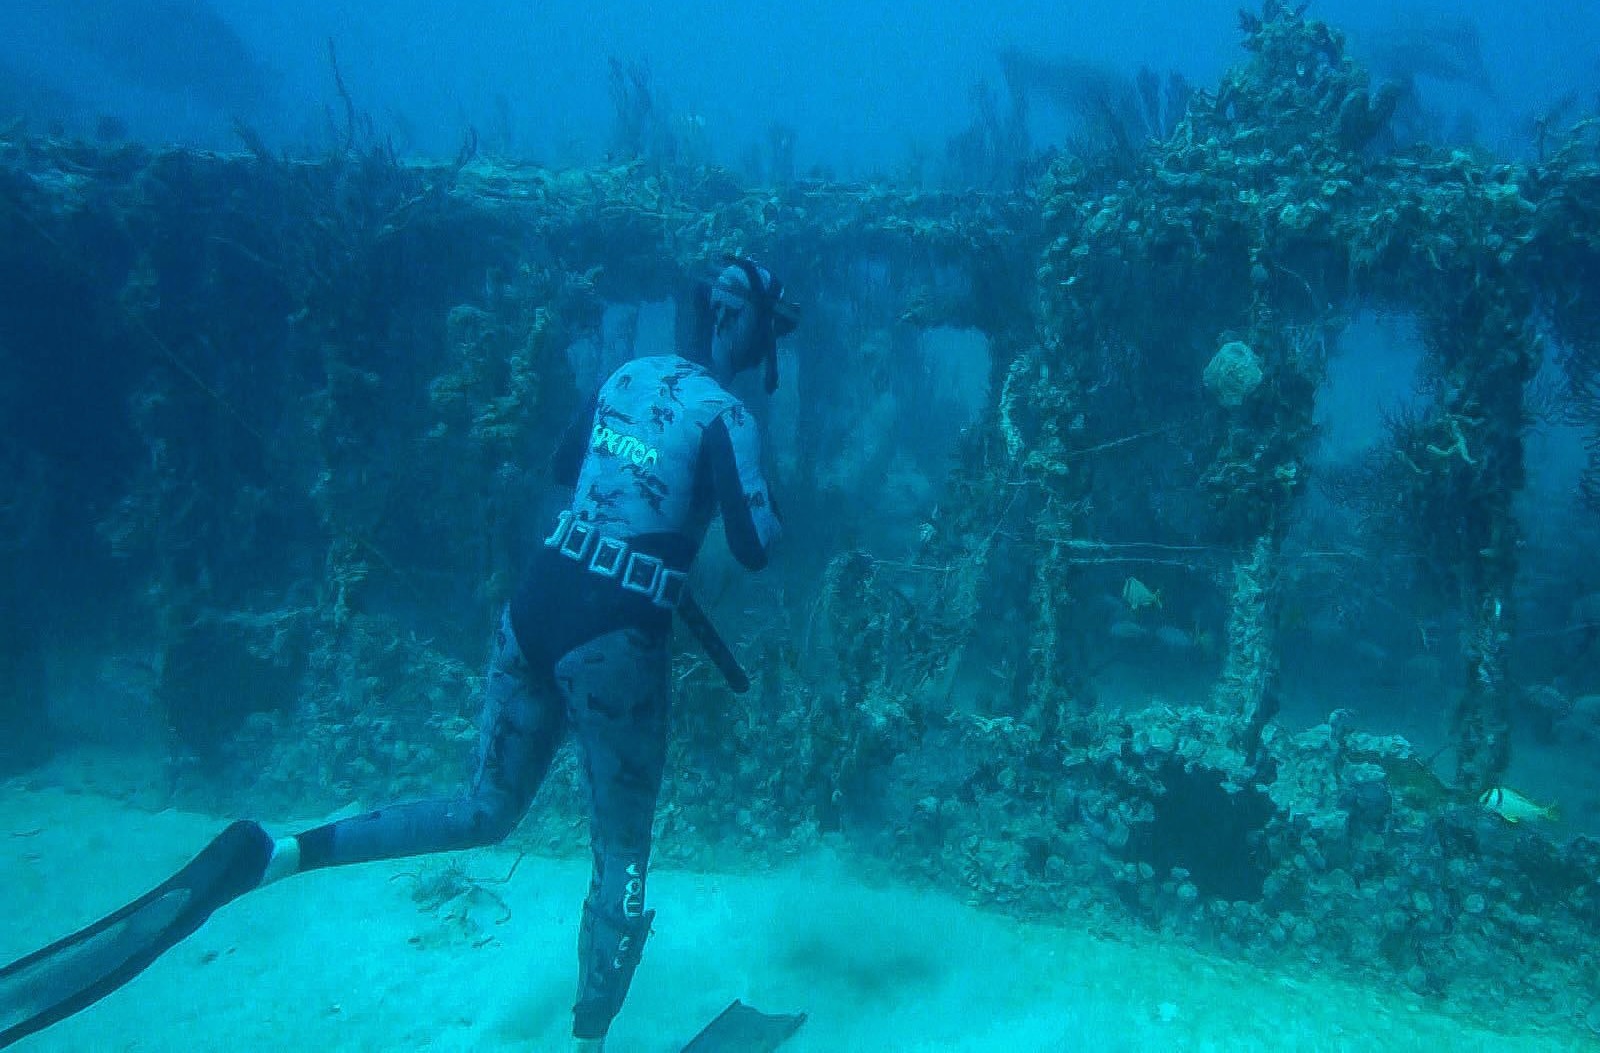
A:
74,973
744,1029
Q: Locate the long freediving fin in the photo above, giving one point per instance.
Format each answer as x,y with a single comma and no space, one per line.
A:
75,972
744,1029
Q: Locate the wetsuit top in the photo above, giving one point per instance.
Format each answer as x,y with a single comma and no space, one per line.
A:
662,447
667,446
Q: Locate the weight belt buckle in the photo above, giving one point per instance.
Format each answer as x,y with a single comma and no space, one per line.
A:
559,534
641,573
608,553
579,539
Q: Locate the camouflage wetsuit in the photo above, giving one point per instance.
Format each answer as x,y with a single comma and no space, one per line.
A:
665,447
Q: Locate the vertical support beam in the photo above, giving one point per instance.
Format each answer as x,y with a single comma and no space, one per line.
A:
1038,407
1473,452
1482,718
1250,682
1254,480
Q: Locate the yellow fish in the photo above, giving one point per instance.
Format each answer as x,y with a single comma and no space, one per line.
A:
1511,806
1138,596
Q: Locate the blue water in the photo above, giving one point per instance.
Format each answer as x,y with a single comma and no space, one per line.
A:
864,84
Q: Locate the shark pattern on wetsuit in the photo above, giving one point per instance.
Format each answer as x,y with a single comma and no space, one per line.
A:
668,446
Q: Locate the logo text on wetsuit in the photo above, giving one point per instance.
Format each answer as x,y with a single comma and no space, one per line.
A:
625,446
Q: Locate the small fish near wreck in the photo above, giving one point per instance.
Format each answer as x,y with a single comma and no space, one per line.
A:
1137,595
1514,808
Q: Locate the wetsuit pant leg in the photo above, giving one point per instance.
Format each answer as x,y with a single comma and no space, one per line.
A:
522,723
616,689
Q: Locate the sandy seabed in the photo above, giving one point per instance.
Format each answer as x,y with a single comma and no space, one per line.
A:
364,958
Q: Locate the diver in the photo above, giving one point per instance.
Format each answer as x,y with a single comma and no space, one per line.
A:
581,649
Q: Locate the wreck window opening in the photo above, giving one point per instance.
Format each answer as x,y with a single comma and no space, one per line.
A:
948,391
1558,608
1356,629
1171,649
934,386
627,330
1148,614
